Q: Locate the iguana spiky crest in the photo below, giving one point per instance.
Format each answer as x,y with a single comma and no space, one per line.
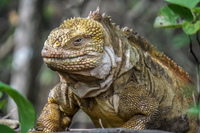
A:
142,44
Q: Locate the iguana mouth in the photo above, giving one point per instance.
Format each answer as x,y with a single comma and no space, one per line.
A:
65,60
48,52
68,57
72,63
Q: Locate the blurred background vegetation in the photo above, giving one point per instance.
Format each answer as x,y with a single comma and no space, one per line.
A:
25,25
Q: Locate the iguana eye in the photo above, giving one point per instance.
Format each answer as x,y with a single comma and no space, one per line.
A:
78,40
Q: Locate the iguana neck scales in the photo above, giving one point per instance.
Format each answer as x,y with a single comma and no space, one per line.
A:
114,75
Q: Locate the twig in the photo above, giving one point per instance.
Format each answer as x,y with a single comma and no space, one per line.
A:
198,89
194,99
198,73
192,52
7,46
14,124
101,123
10,113
197,37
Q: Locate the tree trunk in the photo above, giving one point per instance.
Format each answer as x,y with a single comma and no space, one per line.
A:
25,51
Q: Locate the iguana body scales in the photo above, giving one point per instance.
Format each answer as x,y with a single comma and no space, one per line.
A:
115,77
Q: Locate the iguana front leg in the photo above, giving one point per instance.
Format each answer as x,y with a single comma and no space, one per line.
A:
137,122
58,112
141,122
139,108
52,119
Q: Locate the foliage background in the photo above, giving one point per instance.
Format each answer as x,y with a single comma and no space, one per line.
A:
25,25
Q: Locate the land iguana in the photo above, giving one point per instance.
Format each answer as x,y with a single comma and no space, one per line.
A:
115,76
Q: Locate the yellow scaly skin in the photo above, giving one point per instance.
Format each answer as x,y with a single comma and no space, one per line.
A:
114,76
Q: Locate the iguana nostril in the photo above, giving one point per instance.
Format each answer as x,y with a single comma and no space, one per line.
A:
45,52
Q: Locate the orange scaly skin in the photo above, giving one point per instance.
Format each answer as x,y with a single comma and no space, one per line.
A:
114,75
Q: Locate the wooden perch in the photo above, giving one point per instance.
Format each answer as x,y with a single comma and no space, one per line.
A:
14,124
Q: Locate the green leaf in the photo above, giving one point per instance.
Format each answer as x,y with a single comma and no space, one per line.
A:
196,12
194,110
6,129
197,9
25,108
191,28
172,16
185,3
2,103
1,94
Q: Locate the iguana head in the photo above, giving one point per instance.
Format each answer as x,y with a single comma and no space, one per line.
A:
76,45
90,53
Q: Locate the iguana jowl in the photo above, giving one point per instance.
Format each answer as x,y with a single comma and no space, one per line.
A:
114,75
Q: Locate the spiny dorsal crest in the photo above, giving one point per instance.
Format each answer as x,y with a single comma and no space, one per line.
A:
166,61
95,15
103,19
141,43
